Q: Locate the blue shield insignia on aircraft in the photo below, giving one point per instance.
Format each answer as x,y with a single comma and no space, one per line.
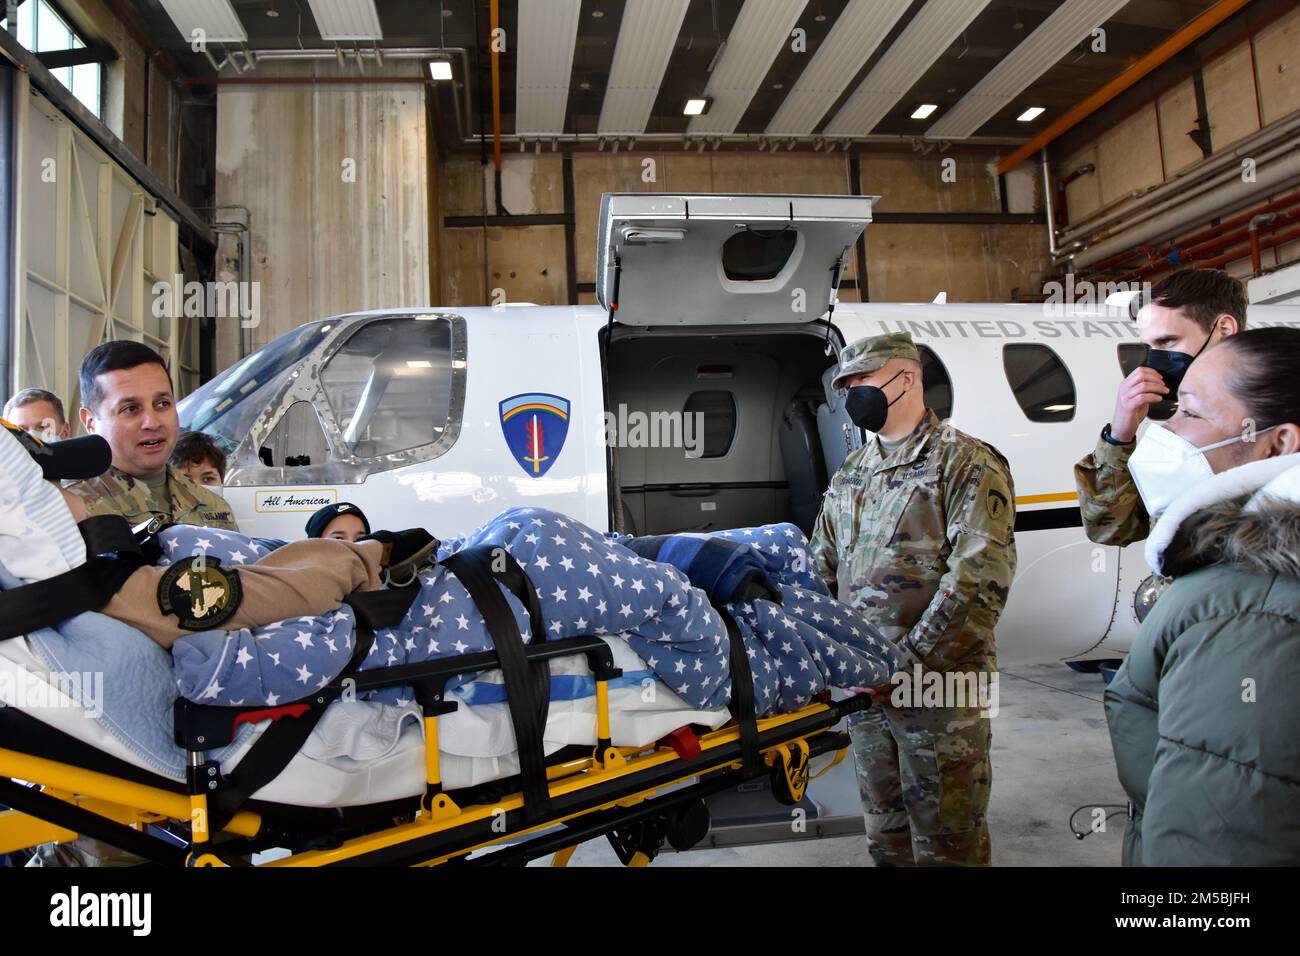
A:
535,426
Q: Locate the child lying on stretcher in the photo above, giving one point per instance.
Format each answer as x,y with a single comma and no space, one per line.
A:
251,625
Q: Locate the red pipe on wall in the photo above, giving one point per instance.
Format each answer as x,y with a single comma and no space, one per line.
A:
1243,251
1279,240
1192,254
1210,232
1201,241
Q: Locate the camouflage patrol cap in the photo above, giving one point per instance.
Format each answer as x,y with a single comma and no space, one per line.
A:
869,354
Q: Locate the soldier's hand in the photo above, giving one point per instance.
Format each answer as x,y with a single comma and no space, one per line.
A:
1136,393
878,695
881,694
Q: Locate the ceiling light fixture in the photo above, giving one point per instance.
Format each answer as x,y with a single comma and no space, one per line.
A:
697,106
924,110
439,70
1031,114
346,19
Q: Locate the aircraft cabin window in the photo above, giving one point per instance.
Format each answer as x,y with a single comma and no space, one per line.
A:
755,255
390,385
1040,381
935,383
719,410
1132,355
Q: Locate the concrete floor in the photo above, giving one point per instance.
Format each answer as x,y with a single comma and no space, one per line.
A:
1051,754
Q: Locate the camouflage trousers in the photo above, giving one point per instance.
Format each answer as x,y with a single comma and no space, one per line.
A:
924,776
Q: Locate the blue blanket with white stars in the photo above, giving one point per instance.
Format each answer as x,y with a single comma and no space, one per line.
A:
587,583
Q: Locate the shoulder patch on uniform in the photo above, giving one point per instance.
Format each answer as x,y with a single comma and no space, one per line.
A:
996,504
200,593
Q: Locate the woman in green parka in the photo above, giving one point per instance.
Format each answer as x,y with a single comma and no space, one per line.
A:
1204,714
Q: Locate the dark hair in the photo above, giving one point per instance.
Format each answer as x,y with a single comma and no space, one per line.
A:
111,357
1202,295
29,395
1266,368
197,448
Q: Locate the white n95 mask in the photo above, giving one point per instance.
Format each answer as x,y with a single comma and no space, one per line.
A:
1164,465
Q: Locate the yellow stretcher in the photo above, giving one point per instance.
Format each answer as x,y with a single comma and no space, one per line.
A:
59,788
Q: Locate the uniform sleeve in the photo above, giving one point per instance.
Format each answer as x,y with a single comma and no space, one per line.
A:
1112,509
96,504
957,626
823,547
194,504
225,519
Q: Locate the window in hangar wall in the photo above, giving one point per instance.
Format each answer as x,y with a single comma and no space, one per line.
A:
42,30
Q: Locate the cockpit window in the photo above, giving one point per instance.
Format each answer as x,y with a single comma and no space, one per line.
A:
390,386
227,406
337,400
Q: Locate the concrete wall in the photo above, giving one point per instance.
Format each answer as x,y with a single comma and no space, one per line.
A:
905,262
1143,142
336,181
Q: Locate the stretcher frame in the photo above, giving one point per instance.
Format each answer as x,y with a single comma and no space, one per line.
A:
639,797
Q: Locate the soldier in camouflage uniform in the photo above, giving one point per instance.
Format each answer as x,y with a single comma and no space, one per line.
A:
126,397
180,499
1187,312
917,530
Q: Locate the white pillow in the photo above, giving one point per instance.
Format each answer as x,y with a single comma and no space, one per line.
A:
38,538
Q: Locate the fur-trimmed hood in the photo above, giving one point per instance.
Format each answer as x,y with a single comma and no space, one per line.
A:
1248,517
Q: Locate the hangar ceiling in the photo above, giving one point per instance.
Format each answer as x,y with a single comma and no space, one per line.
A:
625,68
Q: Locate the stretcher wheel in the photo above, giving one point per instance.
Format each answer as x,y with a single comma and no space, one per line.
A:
790,778
688,826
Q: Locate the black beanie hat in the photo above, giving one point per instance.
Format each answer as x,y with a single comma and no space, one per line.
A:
317,522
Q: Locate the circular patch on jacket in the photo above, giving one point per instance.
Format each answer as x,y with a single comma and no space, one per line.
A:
200,593
996,503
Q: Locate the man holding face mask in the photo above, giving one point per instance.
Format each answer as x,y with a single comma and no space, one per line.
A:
1187,312
917,531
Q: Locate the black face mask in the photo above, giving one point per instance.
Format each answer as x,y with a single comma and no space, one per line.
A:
868,407
1172,366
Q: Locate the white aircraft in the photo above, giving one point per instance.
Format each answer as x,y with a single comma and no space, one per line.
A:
712,306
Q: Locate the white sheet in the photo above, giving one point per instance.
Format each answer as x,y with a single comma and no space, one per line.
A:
363,752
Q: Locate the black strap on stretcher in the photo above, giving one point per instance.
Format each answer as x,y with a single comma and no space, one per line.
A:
114,556
527,686
742,695
283,739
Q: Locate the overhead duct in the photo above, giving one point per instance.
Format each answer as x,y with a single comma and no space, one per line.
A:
1071,24
760,30
922,42
852,40
544,44
1275,175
